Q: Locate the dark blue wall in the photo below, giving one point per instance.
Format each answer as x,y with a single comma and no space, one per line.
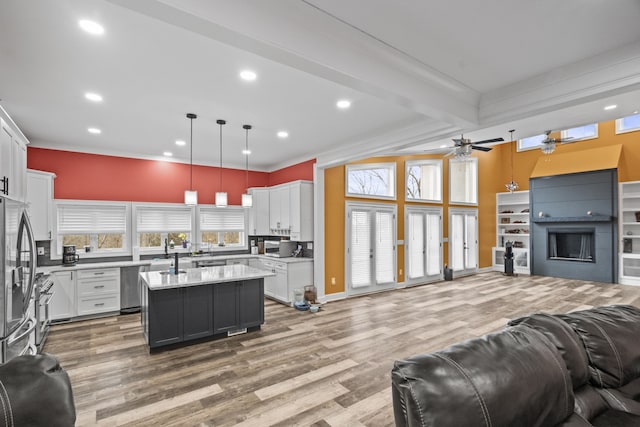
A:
565,201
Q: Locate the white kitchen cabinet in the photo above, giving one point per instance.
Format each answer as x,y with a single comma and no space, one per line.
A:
13,160
289,276
241,261
98,291
40,202
301,211
63,302
259,213
279,210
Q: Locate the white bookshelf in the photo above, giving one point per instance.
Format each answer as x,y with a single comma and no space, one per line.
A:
629,232
512,225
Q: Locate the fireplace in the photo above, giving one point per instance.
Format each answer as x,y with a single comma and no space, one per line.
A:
571,244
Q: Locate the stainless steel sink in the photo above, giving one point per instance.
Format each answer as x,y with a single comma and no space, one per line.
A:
167,272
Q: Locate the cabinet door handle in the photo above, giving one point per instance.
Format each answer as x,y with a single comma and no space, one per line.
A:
5,185
98,273
98,304
98,286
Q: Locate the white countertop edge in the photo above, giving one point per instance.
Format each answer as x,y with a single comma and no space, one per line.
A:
202,276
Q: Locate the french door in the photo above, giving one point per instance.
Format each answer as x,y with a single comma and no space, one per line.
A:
463,240
370,247
423,244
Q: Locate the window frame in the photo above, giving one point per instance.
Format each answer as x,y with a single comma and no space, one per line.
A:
136,207
619,129
244,235
451,169
57,240
391,166
535,147
419,162
564,133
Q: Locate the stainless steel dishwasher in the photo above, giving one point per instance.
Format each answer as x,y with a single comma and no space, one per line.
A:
130,289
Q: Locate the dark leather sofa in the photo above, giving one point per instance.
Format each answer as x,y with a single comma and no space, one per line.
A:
35,391
575,369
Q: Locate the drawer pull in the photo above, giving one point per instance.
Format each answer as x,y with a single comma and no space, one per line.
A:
98,286
98,304
98,273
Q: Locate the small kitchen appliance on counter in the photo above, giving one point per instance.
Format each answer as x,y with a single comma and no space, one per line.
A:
69,256
279,249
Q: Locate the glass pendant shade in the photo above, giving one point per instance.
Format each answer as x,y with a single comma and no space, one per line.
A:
549,148
221,199
247,200
190,197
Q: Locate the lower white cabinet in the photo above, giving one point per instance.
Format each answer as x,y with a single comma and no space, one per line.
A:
98,291
63,302
289,276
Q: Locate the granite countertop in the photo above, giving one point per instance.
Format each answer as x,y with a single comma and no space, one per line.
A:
203,275
162,262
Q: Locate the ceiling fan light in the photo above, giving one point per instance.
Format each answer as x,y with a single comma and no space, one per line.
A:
190,197
247,200
221,199
548,148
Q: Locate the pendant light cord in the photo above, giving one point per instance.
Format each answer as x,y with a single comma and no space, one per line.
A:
246,149
221,123
511,131
191,157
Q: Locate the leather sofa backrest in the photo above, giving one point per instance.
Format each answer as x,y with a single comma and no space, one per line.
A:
566,341
611,337
513,377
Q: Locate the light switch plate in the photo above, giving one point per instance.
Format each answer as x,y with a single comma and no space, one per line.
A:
310,245
40,250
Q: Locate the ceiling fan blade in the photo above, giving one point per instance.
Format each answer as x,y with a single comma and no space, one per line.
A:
567,139
481,148
486,141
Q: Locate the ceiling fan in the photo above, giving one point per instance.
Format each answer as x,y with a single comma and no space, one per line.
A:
462,146
549,144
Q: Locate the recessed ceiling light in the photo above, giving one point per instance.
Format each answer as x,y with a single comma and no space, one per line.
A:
167,153
91,27
180,142
247,152
444,146
343,104
610,107
93,97
635,112
283,134
248,75
94,131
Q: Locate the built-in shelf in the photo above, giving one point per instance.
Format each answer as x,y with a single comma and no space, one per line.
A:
588,218
511,209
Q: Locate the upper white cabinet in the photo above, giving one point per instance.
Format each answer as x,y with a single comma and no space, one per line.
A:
13,159
279,207
259,213
40,202
301,211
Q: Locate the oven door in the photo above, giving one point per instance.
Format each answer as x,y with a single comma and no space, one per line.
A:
20,341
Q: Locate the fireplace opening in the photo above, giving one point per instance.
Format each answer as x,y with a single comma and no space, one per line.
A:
572,244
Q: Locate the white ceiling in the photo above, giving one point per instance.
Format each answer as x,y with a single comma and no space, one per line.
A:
417,73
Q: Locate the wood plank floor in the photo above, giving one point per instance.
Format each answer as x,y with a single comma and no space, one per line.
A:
331,368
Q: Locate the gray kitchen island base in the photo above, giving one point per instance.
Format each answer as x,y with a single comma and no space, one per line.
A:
197,311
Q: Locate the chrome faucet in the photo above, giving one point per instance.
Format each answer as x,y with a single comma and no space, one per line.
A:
166,252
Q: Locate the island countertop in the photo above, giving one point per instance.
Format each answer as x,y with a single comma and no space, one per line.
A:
156,280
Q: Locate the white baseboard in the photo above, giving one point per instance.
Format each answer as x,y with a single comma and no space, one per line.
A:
333,297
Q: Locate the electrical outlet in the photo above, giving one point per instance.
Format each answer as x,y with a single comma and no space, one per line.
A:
40,250
400,272
333,280
310,245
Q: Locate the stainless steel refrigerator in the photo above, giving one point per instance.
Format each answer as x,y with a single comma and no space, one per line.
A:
17,274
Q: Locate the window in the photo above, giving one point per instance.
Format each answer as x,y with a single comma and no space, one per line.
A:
223,227
99,226
531,142
424,180
158,224
580,133
372,180
628,124
463,181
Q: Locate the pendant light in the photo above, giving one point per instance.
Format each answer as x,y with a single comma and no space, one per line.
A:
511,185
191,196
221,196
247,199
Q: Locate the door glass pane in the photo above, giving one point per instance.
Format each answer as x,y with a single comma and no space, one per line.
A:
384,247
471,259
360,249
457,242
433,244
415,241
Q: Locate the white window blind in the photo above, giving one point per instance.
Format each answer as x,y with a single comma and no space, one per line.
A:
216,219
457,242
163,219
384,247
463,184
433,244
360,249
415,243
87,219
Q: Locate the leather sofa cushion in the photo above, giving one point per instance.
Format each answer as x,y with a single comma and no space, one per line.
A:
566,341
35,391
611,337
515,377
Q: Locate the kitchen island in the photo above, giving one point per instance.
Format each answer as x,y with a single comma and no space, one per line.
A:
201,303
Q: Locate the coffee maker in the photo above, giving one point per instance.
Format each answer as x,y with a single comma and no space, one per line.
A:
69,256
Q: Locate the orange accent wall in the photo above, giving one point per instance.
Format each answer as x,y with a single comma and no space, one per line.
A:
494,170
295,172
97,177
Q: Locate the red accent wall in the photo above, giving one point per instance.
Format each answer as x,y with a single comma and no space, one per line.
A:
97,177
302,170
